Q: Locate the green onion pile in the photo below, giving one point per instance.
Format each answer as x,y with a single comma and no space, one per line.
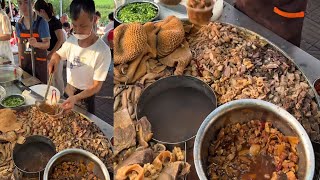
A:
13,101
137,12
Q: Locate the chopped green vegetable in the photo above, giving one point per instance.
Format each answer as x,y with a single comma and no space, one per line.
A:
12,101
137,12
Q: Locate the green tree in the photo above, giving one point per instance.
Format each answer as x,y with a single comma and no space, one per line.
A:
56,6
103,6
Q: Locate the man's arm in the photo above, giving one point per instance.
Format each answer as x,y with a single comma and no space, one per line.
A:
6,29
54,62
44,33
5,37
94,89
70,102
45,44
61,40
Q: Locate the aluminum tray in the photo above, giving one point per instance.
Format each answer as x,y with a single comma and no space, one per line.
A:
252,33
249,32
103,126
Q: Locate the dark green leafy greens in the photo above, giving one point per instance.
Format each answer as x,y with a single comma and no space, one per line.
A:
137,12
13,101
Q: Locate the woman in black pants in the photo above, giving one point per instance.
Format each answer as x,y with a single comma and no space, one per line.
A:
45,10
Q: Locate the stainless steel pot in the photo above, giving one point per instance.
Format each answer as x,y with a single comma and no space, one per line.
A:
242,111
100,169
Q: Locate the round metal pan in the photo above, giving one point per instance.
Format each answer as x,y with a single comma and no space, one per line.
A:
31,157
316,86
176,107
118,22
249,32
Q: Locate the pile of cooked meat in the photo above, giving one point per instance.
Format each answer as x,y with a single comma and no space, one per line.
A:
136,157
74,170
253,150
71,130
236,63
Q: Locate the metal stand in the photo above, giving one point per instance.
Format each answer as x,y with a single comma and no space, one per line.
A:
31,35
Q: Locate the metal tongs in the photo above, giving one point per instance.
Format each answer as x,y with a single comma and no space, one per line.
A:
39,103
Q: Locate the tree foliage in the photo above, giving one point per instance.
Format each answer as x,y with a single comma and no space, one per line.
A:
103,6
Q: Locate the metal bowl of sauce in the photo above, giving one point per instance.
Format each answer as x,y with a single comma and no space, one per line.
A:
51,110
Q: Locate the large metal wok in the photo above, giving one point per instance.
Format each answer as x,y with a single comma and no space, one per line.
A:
176,106
105,128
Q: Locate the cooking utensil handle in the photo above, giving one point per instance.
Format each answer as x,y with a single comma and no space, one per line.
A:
48,86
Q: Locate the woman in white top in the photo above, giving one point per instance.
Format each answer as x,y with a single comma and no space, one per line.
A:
5,34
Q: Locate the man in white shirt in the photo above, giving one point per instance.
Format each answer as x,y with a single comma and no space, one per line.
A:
88,57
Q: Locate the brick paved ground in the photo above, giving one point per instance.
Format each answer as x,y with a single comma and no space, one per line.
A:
311,29
104,106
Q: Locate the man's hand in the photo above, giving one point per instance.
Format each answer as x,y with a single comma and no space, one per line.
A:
69,103
33,42
53,64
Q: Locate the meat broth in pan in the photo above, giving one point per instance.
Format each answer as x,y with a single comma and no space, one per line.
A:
253,150
74,170
49,109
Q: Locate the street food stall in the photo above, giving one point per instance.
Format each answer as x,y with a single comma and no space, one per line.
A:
88,132
235,56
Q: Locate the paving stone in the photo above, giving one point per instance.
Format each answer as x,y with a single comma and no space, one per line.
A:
309,37
305,45
311,26
314,51
317,45
313,5
315,14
